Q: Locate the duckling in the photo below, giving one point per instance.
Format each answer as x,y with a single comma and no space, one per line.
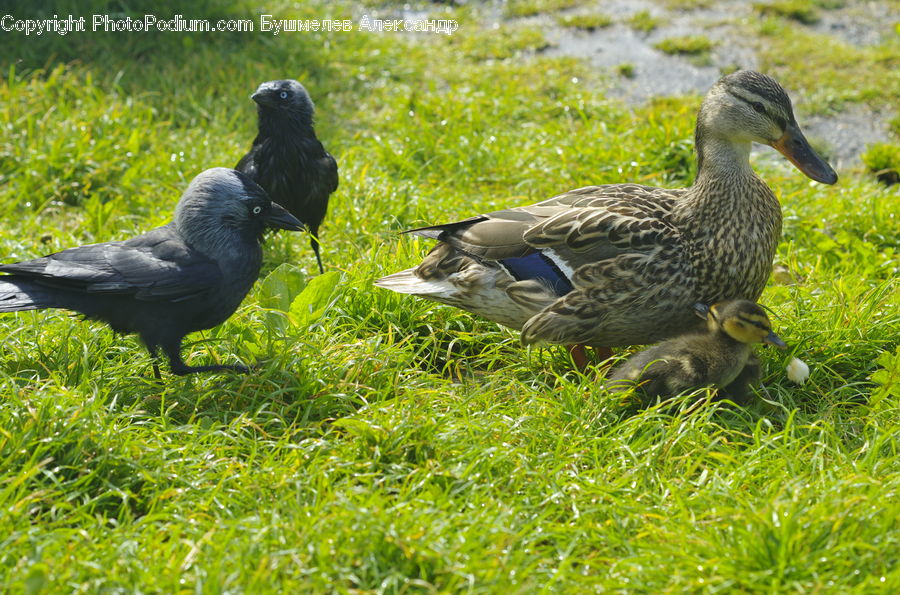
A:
722,356
622,264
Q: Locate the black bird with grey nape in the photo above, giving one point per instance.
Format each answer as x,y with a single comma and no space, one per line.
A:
186,276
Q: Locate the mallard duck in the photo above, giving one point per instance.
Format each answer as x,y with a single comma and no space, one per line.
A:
622,264
722,356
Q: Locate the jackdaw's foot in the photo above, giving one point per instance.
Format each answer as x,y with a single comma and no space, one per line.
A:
182,369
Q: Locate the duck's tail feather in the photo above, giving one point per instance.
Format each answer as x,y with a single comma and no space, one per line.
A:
407,282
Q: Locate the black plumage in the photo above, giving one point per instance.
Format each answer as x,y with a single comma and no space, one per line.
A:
287,159
186,276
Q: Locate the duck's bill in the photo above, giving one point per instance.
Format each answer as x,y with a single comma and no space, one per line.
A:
773,339
795,147
701,310
279,218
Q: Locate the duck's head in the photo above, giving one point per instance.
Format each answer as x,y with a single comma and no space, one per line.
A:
742,320
747,106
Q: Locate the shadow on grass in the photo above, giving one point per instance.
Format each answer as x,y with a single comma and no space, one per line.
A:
168,61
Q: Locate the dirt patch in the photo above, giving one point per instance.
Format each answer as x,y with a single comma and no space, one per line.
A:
652,73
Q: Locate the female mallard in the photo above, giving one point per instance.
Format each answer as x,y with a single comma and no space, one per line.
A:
623,264
722,356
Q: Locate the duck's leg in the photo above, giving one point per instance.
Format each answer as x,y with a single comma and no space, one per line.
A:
604,353
579,356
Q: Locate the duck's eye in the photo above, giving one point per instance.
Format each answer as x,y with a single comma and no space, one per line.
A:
257,210
760,108
283,94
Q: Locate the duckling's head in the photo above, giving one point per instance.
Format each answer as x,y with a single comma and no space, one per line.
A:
742,320
748,106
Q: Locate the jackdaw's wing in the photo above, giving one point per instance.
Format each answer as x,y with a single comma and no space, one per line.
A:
158,265
247,165
328,165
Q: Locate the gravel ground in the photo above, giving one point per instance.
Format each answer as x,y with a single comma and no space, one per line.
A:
655,73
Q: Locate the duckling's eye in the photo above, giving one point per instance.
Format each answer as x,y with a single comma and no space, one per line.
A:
283,94
760,108
257,210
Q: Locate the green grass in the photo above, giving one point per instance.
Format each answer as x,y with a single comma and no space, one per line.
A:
625,69
797,10
501,43
894,124
696,47
395,445
643,21
690,45
688,4
527,8
883,159
585,22
835,73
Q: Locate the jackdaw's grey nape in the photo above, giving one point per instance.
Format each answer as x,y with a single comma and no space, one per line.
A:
186,276
287,159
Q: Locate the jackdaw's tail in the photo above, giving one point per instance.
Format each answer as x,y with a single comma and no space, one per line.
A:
23,294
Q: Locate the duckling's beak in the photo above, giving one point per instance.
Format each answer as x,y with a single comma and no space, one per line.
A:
795,147
773,339
701,310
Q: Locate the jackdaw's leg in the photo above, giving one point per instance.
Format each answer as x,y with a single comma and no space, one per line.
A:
314,242
173,352
154,355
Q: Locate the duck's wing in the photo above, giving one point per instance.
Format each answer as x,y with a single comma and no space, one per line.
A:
575,228
626,255
580,267
635,297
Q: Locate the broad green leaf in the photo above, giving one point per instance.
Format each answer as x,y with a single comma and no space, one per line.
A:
312,302
278,290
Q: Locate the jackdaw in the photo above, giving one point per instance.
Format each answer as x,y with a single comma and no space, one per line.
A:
186,276
287,159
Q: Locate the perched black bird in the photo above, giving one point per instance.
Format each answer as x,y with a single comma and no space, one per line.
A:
186,276
287,159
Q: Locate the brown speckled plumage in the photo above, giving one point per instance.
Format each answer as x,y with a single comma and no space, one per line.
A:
635,258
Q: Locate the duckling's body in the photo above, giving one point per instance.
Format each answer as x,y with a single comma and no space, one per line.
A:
722,356
622,264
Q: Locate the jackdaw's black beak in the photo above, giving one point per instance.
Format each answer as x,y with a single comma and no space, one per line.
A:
263,95
279,218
